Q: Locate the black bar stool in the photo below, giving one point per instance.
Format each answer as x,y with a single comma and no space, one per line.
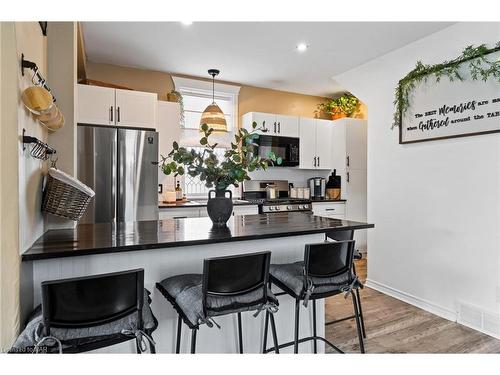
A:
228,285
346,235
326,271
92,312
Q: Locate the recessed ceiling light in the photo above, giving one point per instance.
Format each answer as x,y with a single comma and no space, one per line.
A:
187,23
301,47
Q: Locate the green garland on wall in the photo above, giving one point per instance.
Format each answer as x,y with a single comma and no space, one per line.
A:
479,67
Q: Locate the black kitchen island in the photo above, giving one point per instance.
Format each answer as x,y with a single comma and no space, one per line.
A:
173,246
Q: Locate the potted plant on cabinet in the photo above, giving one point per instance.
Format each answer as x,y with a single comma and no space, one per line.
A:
238,161
343,106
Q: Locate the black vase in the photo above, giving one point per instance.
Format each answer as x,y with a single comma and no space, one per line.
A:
220,207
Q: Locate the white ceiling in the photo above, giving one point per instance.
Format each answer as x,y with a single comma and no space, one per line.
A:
253,53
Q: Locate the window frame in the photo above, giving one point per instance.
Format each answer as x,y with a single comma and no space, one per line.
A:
204,87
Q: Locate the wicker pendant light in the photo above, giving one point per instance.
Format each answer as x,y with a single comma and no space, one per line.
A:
212,115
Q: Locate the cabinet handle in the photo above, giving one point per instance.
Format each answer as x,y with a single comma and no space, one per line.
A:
315,161
275,126
111,114
348,162
347,176
264,129
318,161
118,114
279,127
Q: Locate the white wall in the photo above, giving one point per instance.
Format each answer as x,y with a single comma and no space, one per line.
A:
435,205
32,43
61,56
296,176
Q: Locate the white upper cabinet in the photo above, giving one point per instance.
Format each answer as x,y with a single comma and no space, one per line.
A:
349,144
307,143
135,109
107,106
287,126
265,122
356,144
96,105
315,143
272,124
324,144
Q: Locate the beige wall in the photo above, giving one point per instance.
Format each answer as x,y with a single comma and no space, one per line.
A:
9,193
250,98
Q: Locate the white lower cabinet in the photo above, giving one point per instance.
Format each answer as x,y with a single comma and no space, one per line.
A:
246,210
179,213
335,210
185,212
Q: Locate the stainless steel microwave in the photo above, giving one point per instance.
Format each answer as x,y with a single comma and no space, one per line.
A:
285,147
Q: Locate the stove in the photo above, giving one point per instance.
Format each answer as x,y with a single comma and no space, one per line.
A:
254,191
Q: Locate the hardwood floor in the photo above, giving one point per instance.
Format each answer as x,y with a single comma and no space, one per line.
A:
393,326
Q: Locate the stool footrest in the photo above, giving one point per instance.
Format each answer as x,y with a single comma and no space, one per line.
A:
341,320
309,338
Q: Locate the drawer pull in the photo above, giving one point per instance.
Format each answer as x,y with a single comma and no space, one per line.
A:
329,209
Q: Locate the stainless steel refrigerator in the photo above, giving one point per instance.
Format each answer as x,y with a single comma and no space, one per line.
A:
119,164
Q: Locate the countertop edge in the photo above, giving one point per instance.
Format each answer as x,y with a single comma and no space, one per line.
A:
165,245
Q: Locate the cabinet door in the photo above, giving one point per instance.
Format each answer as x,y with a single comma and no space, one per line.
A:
267,121
287,126
339,146
169,130
324,144
178,213
307,143
328,208
356,144
356,191
245,210
96,105
137,109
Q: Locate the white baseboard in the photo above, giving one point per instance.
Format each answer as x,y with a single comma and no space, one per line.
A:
412,300
455,316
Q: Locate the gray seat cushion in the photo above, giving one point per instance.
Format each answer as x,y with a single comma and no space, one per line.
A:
184,292
34,329
291,275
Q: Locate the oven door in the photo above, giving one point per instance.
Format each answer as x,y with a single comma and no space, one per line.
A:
285,147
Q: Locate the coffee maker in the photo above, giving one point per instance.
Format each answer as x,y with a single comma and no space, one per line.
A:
317,186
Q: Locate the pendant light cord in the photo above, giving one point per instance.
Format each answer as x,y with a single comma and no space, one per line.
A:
213,88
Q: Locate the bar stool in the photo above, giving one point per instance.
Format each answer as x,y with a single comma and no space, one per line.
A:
87,313
326,271
343,236
228,285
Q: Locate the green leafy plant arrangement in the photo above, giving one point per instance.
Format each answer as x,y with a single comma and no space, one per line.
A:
479,67
346,105
238,161
177,96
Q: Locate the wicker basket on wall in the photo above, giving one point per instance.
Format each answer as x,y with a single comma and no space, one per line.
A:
65,196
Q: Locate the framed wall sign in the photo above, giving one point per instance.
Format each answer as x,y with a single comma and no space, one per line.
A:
449,109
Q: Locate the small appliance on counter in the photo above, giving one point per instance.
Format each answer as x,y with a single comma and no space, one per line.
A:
317,186
333,186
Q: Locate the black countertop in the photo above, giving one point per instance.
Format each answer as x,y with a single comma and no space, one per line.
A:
87,239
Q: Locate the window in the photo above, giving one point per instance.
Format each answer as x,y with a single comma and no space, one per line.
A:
196,102
193,186
197,95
